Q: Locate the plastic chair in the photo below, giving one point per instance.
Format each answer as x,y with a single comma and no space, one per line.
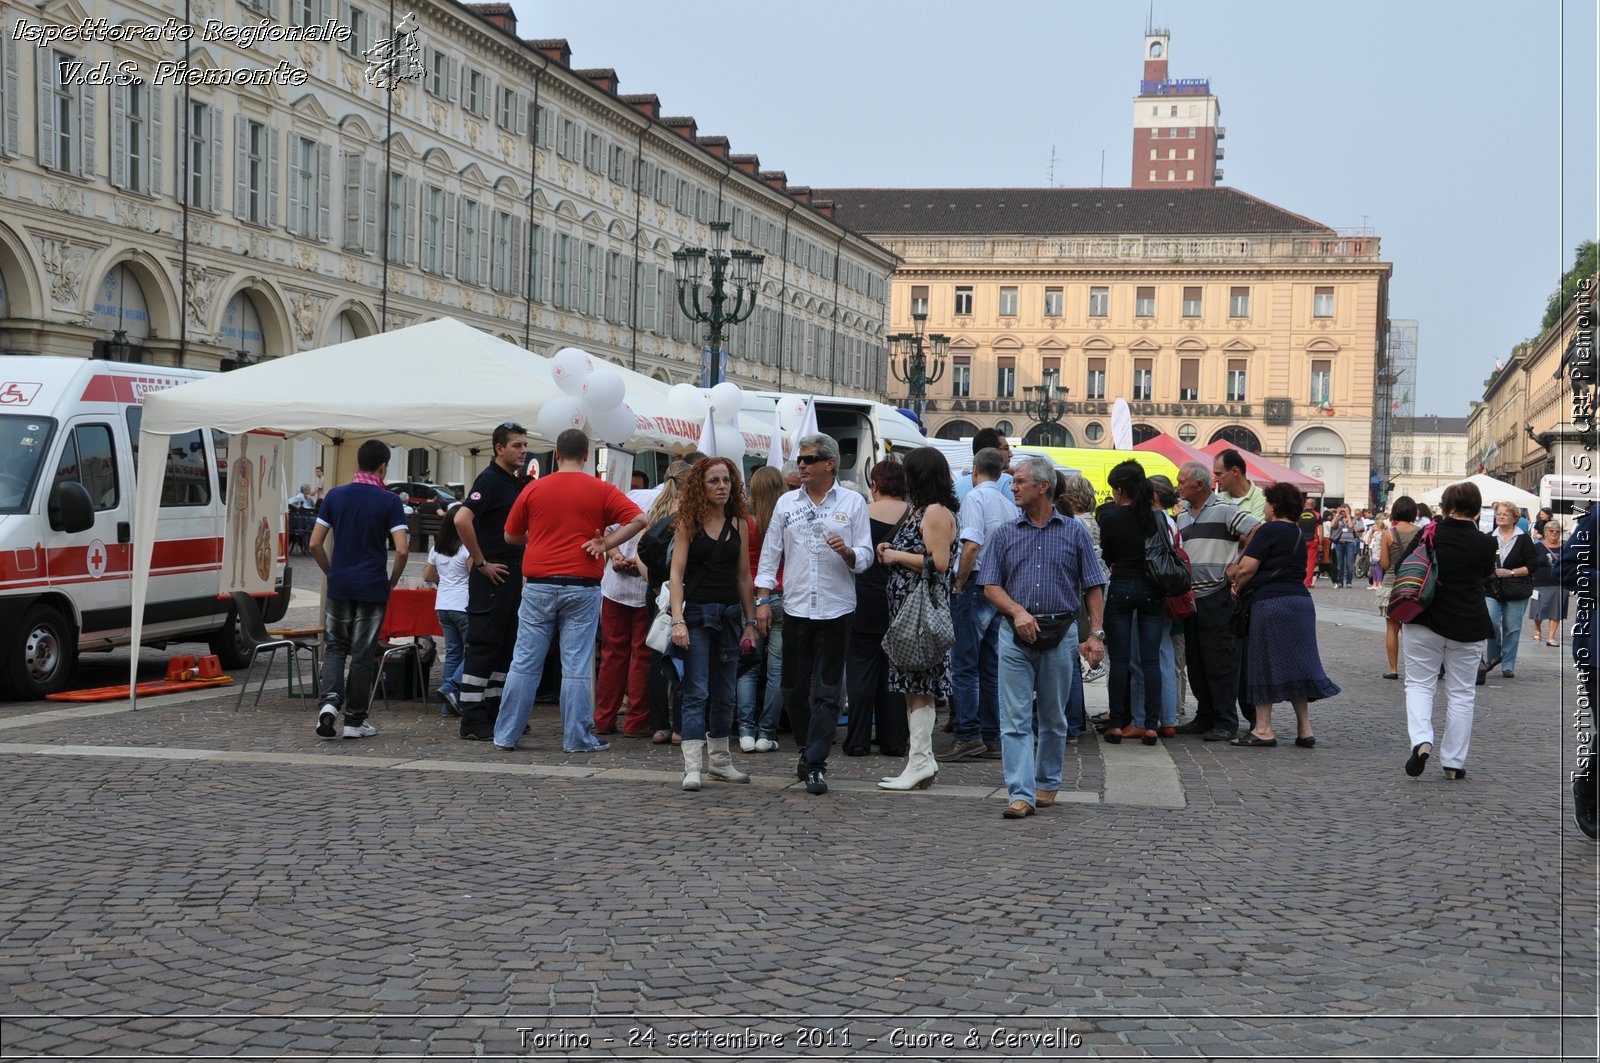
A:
416,622
254,629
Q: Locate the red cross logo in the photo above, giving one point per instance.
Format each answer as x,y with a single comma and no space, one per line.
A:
97,559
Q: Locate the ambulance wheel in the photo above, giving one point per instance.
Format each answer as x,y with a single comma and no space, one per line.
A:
39,658
228,642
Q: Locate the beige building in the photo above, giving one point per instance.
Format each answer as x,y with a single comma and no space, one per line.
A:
1428,452
1217,315
1533,421
250,192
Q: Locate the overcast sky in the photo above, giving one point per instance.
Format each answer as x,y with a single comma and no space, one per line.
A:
1462,133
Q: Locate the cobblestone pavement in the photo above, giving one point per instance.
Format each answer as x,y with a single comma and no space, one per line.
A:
190,880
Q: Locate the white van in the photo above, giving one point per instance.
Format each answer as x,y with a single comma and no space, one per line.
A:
69,437
1568,496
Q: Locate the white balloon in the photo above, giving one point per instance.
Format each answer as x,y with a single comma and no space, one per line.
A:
569,368
558,415
616,425
791,413
687,399
603,390
727,398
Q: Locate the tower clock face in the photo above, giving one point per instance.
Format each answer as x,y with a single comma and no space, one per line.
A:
1155,50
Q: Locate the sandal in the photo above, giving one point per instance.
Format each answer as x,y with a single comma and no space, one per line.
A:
1254,741
1391,675
1556,644
661,738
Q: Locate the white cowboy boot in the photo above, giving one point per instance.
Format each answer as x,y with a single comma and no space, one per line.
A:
694,762
920,765
722,762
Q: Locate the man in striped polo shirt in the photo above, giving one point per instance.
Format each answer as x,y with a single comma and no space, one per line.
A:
1214,533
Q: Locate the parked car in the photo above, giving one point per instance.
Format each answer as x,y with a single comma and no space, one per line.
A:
424,503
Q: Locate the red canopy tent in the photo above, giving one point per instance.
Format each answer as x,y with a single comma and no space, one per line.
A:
1264,473
1174,450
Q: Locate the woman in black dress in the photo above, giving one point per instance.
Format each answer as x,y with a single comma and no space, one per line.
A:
927,537
866,667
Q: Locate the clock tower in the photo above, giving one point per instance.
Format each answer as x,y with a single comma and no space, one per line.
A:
1176,126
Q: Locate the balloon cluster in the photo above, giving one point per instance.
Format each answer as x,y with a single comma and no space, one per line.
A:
724,402
592,397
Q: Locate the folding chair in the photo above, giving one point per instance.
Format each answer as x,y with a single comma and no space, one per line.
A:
255,632
410,615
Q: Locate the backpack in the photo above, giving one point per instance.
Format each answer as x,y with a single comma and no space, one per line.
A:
1416,578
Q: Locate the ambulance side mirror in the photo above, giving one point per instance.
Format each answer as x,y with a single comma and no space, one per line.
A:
70,507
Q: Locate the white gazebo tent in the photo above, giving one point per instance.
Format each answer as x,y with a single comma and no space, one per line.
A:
1492,491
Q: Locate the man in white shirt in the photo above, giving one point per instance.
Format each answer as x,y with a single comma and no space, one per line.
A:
975,660
821,538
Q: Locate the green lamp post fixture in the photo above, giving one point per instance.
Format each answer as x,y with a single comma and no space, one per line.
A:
915,364
1046,404
739,269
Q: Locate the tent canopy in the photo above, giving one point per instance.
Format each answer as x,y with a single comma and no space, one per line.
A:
1264,473
1174,450
1492,491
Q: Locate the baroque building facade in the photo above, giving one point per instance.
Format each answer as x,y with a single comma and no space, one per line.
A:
237,187
1428,452
1215,314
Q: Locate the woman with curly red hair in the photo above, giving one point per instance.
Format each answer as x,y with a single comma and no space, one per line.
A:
713,613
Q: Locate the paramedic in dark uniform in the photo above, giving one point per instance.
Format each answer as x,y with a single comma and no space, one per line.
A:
494,582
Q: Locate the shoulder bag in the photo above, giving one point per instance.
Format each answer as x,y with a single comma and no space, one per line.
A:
922,631
1181,607
1416,578
1166,566
1514,588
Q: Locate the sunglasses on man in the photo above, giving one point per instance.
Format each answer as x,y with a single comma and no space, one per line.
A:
811,459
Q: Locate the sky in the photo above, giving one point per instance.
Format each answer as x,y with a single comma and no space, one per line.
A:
1463,134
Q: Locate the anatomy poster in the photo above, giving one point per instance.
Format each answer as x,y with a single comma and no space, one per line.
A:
257,501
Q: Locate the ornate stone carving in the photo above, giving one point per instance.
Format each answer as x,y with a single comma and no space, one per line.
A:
201,232
616,195
397,282
64,197
349,267
309,54
474,131
661,216
307,308
304,257
566,174
202,288
64,263
437,113
354,78
256,247
432,290
502,309
508,147
594,188
135,215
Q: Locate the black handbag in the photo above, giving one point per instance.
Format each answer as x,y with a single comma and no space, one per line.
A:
1513,588
1167,570
1051,631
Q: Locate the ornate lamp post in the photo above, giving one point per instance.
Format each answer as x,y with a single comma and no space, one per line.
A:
915,366
741,268
1046,403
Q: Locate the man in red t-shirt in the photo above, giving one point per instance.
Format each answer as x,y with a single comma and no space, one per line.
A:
562,519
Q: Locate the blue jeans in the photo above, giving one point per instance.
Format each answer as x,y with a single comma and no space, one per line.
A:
1135,619
1024,673
453,622
1169,682
1075,707
1506,617
710,667
975,667
350,636
1344,563
766,725
549,611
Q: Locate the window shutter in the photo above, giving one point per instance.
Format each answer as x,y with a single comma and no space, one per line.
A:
153,139
214,143
119,136
625,296
520,115
449,262
452,78
44,102
86,158
647,299
485,216
352,201
369,207
296,200
10,90
272,178
241,167
428,256
514,267
324,189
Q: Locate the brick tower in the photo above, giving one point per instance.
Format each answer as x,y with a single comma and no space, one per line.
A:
1175,130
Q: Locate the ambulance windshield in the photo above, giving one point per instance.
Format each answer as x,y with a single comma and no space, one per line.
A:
24,442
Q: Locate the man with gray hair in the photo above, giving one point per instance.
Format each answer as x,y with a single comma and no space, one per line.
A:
820,537
1214,532
974,660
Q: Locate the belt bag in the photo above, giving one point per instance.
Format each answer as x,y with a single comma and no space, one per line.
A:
1052,629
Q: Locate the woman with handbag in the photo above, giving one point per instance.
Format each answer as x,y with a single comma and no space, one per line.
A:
926,537
1396,544
1342,534
1283,662
1135,611
662,689
866,669
1450,628
1166,498
1550,597
713,613
1507,592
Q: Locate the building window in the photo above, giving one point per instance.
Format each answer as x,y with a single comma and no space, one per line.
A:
308,12
1144,302
505,254
1191,156
535,263
1050,373
562,295
919,299
1099,302
439,74
619,163
360,205
135,138
1405,463
1142,374
256,173
1094,431
1005,386
1322,303
468,235
1152,172
475,92
1236,380
619,290
1427,463
508,110
589,290
360,25
1096,383
310,199
961,378
1008,302
1189,380
568,148
963,301
1191,302
1054,300
594,153
1191,132
1190,175
438,219
1172,175
402,201
664,186
1321,382
1238,302
66,116
1188,433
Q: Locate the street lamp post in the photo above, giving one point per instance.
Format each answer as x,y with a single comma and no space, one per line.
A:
1047,403
740,267
915,365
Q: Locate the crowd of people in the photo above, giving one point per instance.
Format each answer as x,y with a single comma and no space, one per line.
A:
777,597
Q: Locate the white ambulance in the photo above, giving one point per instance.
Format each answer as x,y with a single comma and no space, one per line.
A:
69,437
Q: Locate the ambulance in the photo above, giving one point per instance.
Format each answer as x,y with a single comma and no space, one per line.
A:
69,438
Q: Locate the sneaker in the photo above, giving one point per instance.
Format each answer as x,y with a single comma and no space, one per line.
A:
747,743
1098,672
452,707
504,749
327,716
360,730
963,749
598,747
817,783
766,745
